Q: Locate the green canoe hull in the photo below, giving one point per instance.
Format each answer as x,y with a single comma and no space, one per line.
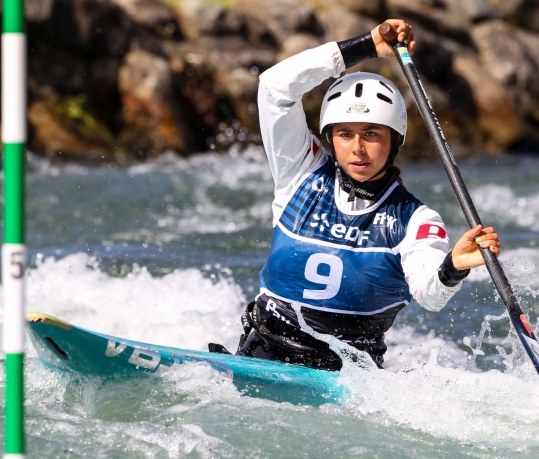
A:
70,348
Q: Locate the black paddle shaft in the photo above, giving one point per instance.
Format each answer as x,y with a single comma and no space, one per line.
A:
472,217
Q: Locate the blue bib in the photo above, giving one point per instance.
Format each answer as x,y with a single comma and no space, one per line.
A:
329,260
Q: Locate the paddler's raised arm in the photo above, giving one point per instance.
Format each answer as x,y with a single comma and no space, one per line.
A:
284,130
287,139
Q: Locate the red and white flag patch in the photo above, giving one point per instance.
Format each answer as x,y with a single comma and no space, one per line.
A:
428,230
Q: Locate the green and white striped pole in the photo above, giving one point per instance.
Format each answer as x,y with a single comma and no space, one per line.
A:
14,249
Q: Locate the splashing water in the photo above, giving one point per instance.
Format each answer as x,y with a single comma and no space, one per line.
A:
169,252
347,353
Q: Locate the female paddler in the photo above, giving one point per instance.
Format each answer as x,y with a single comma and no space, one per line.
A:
350,244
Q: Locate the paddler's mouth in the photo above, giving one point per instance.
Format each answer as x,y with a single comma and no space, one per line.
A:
360,165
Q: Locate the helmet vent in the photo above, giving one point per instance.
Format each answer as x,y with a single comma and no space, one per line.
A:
359,89
335,84
384,98
385,86
334,96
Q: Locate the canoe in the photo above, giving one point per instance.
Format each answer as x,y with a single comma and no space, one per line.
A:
70,348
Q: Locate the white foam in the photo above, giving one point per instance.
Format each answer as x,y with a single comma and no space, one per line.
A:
186,309
405,348
490,407
502,205
519,266
181,309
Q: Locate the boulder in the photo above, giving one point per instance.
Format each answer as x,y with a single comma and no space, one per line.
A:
240,88
49,75
529,43
38,11
500,53
217,55
436,16
507,9
512,58
199,17
375,9
65,126
155,15
154,119
93,26
340,24
521,13
497,119
158,74
527,15
221,54
295,44
528,94
275,24
214,74
471,12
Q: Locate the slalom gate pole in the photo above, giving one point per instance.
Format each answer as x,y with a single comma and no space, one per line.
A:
13,248
518,319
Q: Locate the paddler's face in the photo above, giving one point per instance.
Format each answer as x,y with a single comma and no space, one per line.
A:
362,149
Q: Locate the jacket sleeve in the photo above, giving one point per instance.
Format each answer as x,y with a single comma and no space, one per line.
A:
423,251
291,148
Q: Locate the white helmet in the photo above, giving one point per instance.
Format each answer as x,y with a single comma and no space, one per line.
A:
364,97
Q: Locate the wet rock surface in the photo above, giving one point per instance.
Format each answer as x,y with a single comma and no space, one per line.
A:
120,79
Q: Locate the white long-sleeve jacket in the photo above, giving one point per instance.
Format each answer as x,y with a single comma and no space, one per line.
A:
290,145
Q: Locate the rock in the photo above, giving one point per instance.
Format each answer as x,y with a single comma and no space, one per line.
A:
506,8
221,54
275,24
216,73
433,56
434,15
375,9
529,43
97,26
199,17
527,15
49,78
472,12
339,24
38,11
48,74
161,74
500,52
240,88
528,94
296,44
521,13
154,120
64,125
152,14
496,113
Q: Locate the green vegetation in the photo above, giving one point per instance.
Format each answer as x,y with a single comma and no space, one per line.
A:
76,111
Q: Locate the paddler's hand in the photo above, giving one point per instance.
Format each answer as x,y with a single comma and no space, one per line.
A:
406,35
466,252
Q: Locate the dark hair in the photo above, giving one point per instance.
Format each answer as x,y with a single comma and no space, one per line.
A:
395,172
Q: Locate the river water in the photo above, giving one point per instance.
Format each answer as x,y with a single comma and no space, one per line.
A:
168,252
